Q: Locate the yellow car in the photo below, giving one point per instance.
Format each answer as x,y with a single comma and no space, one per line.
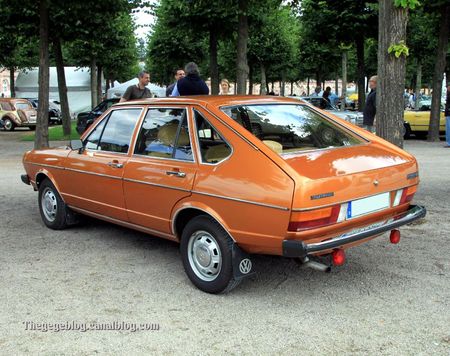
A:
418,122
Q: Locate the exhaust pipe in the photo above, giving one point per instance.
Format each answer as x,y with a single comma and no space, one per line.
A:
318,266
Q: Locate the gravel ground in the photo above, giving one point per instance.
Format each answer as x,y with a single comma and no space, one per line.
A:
387,299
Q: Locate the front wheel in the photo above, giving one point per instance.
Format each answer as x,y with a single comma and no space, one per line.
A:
51,206
8,125
206,251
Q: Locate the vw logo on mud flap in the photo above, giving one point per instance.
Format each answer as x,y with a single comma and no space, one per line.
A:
245,266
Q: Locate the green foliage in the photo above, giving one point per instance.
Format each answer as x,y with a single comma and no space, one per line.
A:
399,49
407,4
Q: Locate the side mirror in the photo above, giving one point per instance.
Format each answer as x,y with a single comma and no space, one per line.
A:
77,145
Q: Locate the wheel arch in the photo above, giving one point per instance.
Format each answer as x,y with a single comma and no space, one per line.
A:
186,212
44,174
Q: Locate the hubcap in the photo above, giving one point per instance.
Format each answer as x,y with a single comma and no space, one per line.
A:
8,124
49,204
204,254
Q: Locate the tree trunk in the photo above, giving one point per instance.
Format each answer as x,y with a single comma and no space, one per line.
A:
361,72
41,138
94,102
12,82
263,89
392,22
307,87
439,68
282,83
344,79
318,80
418,85
242,40
250,80
213,66
271,86
62,86
292,88
99,84
336,85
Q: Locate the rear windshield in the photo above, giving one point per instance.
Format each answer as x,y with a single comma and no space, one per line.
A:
289,128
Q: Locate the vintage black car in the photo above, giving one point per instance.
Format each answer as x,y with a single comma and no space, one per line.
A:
85,119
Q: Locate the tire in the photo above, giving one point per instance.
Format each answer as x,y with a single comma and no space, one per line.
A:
406,131
8,125
51,206
421,134
206,252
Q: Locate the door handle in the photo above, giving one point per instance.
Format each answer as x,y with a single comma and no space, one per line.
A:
176,174
115,164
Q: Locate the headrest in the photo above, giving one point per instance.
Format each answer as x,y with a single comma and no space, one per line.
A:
168,132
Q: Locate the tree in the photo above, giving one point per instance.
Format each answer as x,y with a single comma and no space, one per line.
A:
330,25
242,40
392,53
439,68
41,138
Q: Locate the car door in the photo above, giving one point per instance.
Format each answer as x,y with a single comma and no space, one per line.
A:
162,168
94,174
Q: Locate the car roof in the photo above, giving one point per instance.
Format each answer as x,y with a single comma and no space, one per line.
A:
214,100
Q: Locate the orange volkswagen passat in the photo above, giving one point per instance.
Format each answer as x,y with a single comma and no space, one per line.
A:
228,177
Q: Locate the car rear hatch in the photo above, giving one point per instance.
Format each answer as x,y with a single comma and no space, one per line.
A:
349,185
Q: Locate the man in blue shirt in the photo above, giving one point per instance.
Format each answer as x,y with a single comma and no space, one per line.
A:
191,84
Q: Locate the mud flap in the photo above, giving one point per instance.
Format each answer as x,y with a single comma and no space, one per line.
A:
242,264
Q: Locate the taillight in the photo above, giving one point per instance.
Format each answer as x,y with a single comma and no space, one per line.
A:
408,194
311,219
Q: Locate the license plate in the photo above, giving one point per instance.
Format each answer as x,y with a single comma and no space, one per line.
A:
368,205
32,119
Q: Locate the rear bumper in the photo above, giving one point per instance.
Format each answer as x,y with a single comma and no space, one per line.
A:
295,248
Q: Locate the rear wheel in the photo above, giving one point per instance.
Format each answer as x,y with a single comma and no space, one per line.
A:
206,251
8,125
406,131
51,206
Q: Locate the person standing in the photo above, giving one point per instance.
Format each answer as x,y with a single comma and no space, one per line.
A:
224,87
191,84
140,90
447,116
179,73
370,109
326,94
317,92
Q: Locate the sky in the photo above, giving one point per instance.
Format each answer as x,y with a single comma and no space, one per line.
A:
143,18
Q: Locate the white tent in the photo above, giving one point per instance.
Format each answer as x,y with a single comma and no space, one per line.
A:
78,86
118,90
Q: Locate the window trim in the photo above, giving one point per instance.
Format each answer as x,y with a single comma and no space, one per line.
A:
107,117
186,108
197,142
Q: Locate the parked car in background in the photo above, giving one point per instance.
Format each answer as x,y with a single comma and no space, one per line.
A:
417,122
54,112
85,119
192,170
17,113
355,118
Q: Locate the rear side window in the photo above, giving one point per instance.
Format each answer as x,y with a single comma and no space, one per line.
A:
289,128
114,133
213,148
165,134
